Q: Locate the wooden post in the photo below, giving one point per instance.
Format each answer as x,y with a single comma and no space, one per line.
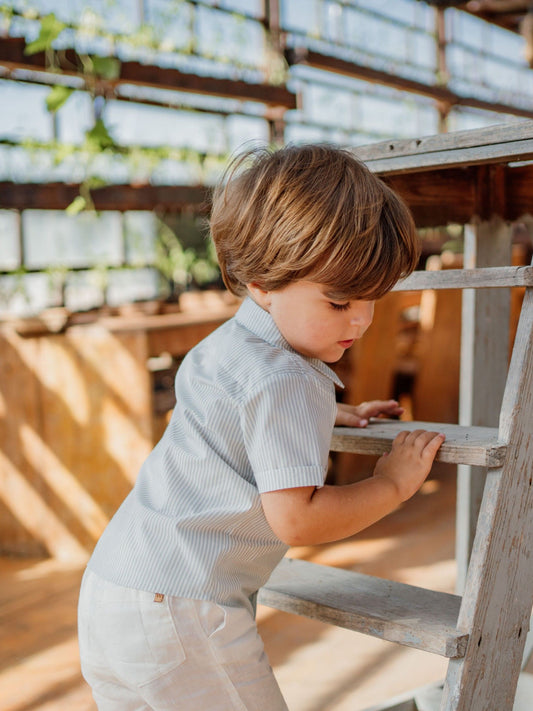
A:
484,359
498,596
443,107
275,45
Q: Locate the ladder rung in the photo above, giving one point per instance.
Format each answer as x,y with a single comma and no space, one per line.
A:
396,612
488,277
464,445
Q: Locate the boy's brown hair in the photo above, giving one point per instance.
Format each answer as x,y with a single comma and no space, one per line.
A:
310,212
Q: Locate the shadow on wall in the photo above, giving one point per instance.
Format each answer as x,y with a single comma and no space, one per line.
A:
75,425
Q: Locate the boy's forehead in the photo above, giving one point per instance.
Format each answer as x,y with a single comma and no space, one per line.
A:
331,292
340,294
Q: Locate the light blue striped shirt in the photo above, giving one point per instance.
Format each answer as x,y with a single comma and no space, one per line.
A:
252,415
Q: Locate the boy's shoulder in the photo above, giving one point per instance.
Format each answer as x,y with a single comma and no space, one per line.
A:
246,353
239,360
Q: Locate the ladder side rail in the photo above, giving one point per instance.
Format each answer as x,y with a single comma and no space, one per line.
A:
515,399
528,647
480,278
498,597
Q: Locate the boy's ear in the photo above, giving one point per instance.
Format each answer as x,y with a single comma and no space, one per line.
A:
259,295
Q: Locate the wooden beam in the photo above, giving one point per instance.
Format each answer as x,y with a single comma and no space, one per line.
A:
302,55
488,277
519,191
437,197
427,172
502,143
491,197
57,196
68,61
440,196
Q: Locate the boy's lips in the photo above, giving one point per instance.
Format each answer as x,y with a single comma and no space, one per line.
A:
346,344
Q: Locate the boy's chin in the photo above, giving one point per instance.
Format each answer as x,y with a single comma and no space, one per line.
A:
332,358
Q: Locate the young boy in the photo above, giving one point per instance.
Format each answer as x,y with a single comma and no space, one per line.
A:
310,238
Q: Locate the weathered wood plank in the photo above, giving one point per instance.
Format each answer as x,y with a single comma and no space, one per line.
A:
504,143
484,359
498,595
489,277
476,155
463,445
412,616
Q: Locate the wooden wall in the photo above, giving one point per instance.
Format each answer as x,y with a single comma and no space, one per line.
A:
77,419
75,425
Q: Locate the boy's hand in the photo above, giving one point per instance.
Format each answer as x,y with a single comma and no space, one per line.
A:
358,415
409,462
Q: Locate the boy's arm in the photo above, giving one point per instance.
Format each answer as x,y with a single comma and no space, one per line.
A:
309,515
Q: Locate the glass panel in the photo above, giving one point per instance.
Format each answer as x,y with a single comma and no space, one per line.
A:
9,240
53,237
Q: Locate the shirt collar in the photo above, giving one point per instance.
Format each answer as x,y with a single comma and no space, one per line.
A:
260,323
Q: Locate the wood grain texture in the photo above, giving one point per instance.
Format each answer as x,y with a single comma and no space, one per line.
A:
463,445
495,144
488,277
408,615
484,364
498,595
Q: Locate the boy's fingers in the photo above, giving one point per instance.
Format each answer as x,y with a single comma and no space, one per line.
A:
350,419
432,442
436,440
401,437
375,407
413,435
423,438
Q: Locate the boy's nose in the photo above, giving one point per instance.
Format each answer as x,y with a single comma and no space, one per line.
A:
364,315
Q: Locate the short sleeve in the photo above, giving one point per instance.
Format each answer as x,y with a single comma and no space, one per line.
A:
287,424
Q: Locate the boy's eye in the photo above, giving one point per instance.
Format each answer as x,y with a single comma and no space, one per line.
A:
340,307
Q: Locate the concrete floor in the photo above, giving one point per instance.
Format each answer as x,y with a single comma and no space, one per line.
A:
319,667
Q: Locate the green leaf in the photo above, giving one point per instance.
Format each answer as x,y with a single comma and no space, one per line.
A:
76,206
51,28
98,137
95,181
106,67
57,96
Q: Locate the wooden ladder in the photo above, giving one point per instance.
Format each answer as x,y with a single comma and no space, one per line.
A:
482,632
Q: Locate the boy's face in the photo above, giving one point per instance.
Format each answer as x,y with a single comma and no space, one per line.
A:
312,322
